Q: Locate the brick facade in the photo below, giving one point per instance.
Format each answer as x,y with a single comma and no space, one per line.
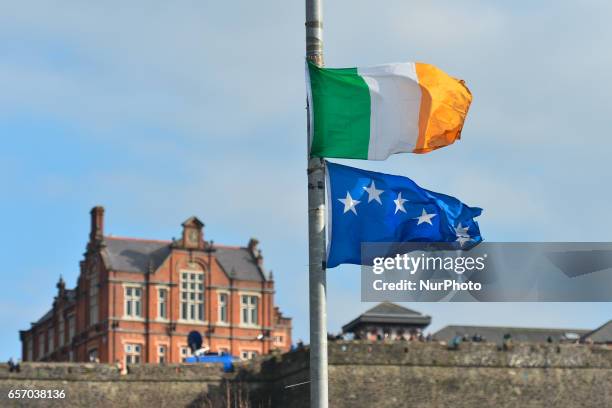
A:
137,300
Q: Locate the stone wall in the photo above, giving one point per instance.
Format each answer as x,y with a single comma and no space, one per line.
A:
92,385
361,374
429,375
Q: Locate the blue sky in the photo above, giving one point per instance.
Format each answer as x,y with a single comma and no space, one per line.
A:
160,111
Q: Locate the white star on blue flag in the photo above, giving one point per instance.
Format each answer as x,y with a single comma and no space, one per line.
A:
404,212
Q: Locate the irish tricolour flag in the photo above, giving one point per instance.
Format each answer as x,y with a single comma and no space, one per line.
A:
372,113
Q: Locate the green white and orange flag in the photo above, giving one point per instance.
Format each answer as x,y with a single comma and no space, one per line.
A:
372,113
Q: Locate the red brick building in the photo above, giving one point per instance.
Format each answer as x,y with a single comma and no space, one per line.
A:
137,300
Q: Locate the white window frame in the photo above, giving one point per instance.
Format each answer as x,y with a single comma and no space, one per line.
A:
133,353
248,354
132,302
162,352
184,352
162,306
192,303
96,355
249,307
220,320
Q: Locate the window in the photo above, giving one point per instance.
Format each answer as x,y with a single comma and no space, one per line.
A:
162,303
92,355
278,339
248,354
132,353
223,307
30,350
133,302
71,327
161,354
249,309
93,299
185,352
60,331
50,340
192,296
71,355
41,345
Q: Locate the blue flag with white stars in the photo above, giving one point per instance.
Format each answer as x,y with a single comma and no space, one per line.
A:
365,206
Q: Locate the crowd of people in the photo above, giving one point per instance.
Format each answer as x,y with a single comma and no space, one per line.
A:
415,336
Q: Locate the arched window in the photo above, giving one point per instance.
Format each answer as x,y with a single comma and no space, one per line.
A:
192,296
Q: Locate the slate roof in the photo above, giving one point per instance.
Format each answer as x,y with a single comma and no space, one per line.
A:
602,334
239,263
135,255
140,255
518,334
388,313
46,316
388,308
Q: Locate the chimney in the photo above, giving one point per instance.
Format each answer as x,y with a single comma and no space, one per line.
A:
97,223
252,246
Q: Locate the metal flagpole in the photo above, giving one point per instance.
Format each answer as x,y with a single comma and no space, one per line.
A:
316,232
